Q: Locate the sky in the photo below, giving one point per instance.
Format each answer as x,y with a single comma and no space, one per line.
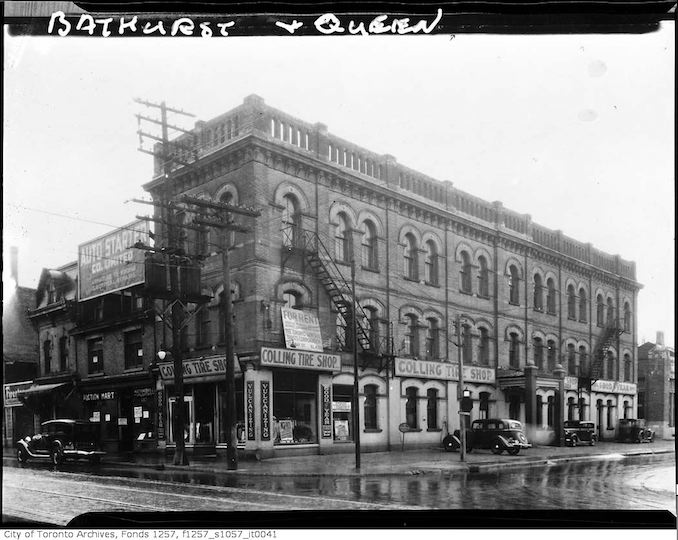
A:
575,130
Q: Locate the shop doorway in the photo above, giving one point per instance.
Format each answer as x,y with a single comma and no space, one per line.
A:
189,414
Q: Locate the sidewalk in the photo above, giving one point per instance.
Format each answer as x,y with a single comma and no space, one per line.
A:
427,461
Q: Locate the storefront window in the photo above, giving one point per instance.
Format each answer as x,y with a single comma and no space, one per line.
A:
484,406
432,408
239,409
294,407
342,407
188,419
570,408
550,410
540,411
514,407
411,407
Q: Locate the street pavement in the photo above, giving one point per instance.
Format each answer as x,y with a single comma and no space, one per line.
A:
396,462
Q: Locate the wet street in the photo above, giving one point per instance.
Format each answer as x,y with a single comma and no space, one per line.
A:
36,491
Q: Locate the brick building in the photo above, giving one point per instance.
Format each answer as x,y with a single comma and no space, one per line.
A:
657,386
549,322
19,354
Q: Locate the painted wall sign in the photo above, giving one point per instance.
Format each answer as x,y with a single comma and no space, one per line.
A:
302,330
11,390
285,358
109,263
571,383
197,367
425,369
97,396
614,387
265,412
327,411
250,410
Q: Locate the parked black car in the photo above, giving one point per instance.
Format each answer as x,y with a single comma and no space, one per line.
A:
634,430
580,432
59,440
493,433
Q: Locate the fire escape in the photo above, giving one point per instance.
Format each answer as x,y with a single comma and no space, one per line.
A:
592,373
375,350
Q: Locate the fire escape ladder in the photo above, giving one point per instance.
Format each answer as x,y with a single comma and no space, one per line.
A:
337,288
607,339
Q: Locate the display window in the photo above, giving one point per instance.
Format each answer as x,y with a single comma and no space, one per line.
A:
295,407
239,410
342,412
189,432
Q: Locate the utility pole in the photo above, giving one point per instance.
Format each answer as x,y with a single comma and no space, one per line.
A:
220,219
172,260
460,391
356,411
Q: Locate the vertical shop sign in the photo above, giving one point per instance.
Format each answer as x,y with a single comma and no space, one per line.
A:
265,404
160,420
327,412
250,410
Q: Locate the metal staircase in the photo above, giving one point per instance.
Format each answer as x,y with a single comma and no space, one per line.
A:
339,291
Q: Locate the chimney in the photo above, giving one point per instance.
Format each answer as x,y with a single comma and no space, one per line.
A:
14,264
660,338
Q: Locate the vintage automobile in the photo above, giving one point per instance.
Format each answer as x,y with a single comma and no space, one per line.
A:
498,435
60,440
634,430
580,432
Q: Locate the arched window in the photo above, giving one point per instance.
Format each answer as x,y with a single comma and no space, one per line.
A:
550,410
610,312
411,258
466,344
571,303
514,285
431,262
465,273
291,299
571,405
600,310
538,293
483,278
583,361
484,347
610,371
291,220
369,245
627,317
342,239
373,327
514,350
583,317
627,409
540,410
412,335
432,408
571,360
432,339
551,296
551,353
411,407
370,406
539,353
627,367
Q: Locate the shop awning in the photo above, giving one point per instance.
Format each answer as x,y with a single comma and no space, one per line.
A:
40,389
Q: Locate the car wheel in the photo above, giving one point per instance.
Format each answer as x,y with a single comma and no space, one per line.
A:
497,448
574,441
21,455
449,444
57,456
592,442
514,450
